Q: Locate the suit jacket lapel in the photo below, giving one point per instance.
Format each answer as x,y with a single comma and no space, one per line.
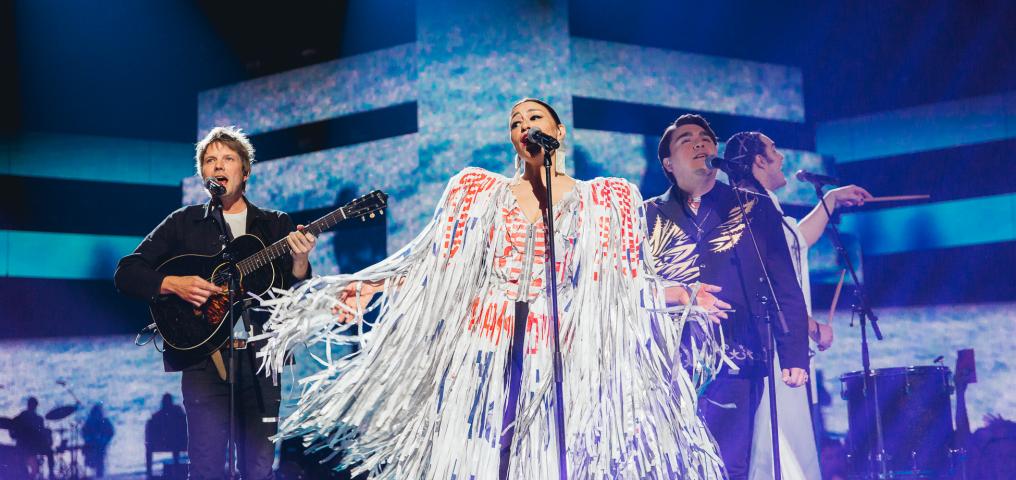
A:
712,212
670,207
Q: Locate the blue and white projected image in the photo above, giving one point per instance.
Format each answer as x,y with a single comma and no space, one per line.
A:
405,116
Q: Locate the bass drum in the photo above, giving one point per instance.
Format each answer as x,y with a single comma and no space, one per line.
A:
917,428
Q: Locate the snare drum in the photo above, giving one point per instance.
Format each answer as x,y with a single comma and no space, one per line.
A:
916,421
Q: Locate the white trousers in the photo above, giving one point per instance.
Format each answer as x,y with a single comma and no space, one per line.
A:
798,455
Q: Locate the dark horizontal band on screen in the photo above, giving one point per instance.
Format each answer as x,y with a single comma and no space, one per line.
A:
614,116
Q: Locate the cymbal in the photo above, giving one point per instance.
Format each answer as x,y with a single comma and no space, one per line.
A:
61,412
6,423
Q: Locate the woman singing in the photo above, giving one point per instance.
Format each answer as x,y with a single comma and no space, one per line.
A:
455,379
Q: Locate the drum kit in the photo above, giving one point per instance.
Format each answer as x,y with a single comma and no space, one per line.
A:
67,443
60,447
914,413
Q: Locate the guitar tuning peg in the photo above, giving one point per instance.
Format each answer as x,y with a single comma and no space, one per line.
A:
381,212
363,219
372,215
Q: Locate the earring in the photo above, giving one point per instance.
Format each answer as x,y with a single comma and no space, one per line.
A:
518,166
559,162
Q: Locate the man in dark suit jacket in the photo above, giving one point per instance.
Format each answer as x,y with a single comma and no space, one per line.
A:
697,233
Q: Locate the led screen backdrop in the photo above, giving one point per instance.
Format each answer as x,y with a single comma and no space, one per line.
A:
407,116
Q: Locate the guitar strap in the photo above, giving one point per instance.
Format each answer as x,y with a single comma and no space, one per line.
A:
220,365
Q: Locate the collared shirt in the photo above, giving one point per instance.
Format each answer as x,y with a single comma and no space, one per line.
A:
197,229
712,246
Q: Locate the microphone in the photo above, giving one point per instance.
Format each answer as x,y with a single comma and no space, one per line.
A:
816,179
213,187
535,136
720,163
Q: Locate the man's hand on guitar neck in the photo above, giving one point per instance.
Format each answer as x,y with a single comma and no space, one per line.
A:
300,245
192,289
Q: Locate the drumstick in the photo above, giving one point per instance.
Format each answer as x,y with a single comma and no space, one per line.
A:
898,198
836,297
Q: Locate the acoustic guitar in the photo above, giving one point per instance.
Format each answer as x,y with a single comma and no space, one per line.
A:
200,331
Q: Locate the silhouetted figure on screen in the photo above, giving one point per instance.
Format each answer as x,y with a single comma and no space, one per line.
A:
166,431
97,433
32,437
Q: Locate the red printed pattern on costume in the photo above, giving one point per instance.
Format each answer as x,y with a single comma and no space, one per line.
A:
513,258
606,194
537,333
460,201
493,322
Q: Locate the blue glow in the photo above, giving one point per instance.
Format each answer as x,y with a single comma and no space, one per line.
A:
824,263
919,129
84,157
617,154
62,255
939,225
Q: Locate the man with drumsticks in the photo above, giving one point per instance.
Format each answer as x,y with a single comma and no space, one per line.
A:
761,168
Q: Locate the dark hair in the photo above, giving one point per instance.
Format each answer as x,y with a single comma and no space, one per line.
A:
553,113
663,150
740,155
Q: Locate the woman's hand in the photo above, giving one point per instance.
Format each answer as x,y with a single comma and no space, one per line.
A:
716,308
356,302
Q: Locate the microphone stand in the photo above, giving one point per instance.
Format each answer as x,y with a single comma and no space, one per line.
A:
74,438
233,287
231,276
864,312
552,285
767,318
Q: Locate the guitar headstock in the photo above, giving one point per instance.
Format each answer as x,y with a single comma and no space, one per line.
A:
366,206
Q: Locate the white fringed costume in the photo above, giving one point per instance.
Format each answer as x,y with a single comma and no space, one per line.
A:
424,397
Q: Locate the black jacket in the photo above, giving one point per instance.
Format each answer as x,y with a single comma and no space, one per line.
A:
713,247
198,229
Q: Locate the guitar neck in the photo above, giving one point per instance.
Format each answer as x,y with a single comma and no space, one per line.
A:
281,247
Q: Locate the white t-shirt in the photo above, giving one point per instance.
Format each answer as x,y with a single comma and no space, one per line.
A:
237,223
